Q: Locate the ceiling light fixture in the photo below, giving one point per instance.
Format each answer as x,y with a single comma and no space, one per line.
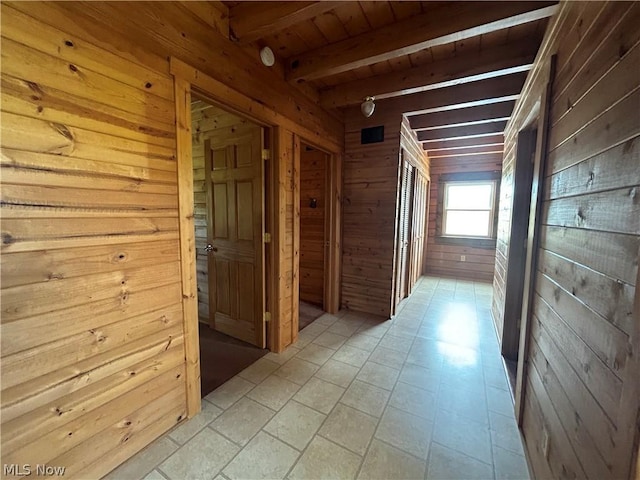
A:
367,107
267,57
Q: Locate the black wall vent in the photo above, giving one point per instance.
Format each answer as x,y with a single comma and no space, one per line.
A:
372,135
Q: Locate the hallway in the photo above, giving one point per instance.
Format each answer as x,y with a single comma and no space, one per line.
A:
421,396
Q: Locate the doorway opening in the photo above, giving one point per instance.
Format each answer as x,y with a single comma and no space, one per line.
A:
315,218
229,218
515,281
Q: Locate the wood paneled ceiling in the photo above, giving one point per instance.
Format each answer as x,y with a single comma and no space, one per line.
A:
454,68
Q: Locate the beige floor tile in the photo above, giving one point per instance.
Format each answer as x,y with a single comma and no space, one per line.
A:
229,392
295,424
201,458
385,462
363,342
390,358
505,433
405,431
304,339
314,329
499,401
464,435
145,461
413,400
282,357
351,355
259,370
297,371
378,375
192,426
325,460
349,428
509,465
374,329
274,392
315,354
337,372
344,327
242,421
420,377
154,475
320,395
366,398
447,463
326,319
399,344
264,457
330,340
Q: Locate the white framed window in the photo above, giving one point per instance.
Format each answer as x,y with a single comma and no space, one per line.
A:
469,209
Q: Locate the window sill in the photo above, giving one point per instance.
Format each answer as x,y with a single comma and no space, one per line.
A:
474,242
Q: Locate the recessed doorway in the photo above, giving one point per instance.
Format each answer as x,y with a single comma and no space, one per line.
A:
314,232
229,218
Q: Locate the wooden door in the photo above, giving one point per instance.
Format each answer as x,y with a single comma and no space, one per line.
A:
417,228
235,226
404,230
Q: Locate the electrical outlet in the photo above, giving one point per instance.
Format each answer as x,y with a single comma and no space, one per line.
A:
545,443
463,258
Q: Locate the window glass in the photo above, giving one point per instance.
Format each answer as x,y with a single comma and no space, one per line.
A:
468,209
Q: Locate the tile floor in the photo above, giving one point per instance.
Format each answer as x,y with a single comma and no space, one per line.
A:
421,396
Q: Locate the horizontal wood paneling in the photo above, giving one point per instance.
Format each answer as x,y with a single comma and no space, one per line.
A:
443,259
92,320
582,382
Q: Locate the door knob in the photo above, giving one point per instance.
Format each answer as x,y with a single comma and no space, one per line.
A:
210,248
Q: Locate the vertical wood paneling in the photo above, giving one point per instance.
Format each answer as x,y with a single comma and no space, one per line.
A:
313,185
584,337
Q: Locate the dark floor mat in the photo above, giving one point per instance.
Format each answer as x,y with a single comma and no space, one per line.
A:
222,357
308,313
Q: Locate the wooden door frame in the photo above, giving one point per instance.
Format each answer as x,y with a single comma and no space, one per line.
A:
542,111
186,79
520,211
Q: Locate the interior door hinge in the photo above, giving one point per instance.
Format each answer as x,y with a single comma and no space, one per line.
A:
267,317
266,237
266,154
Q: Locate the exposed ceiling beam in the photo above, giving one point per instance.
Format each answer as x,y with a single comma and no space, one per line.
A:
496,112
451,22
483,92
464,151
467,131
470,160
464,142
249,21
472,66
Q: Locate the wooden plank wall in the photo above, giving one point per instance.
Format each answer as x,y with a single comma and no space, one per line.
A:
92,333
92,321
443,259
370,192
582,383
313,184
208,122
